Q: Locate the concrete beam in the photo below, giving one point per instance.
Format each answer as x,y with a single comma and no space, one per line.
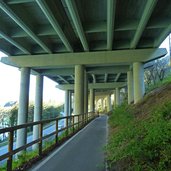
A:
108,69
63,79
117,77
94,78
20,23
89,70
77,22
93,86
14,43
143,22
127,25
111,5
102,94
59,71
47,12
18,1
121,57
105,78
72,77
95,27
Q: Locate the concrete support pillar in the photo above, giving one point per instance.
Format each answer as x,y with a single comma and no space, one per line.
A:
109,105
130,87
92,100
138,76
38,107
96,105
23,106
79,90
66,104
73,102
85,93
117,97
105,105
70,103
102,104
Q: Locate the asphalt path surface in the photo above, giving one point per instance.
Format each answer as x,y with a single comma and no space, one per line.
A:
83,152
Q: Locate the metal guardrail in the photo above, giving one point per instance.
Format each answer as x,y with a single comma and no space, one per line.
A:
74,123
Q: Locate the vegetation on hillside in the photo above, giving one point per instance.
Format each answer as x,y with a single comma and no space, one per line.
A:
140,144
140,135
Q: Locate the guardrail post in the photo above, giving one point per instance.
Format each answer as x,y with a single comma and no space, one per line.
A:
40,143
10,148
56,137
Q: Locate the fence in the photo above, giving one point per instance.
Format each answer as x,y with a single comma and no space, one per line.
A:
73,124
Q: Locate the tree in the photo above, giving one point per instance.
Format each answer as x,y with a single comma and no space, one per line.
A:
156,71
13,113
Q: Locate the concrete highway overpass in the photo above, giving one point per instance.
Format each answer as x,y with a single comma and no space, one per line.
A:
83,45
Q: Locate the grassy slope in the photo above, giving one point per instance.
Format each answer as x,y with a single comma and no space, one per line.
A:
140,135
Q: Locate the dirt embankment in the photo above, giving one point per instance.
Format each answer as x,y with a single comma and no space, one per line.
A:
152,100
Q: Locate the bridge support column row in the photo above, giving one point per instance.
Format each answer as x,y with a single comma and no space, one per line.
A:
38,107
79,90
102,104
92,100
81,100
117,97
70,103
136,88
85,93
130,87
66,103
138,74
23,106
109,105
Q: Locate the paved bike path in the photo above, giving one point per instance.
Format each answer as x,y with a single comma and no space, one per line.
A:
83,152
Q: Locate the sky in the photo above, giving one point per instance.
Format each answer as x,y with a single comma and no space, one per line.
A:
165,44
10,84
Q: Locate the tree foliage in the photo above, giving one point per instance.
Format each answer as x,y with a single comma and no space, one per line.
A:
9,115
